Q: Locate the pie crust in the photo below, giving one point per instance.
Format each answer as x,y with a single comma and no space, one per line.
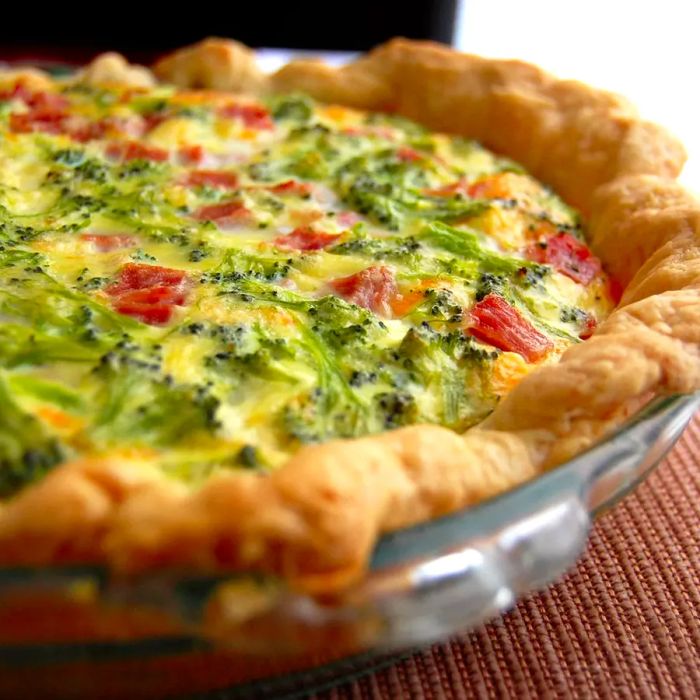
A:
315,521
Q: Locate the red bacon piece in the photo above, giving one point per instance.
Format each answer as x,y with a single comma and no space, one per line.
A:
373,288
152,314
48,113
252,115
300,189
494,321
50,122
149,293
219,179
233,212
151,121
155,295
567,255
133,150
82,129
20,90
191,155
140,276
35,99
305,238
47,101
408,155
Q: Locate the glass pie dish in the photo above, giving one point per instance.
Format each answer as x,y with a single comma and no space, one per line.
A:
73,632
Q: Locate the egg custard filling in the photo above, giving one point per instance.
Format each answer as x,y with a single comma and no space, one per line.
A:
212,281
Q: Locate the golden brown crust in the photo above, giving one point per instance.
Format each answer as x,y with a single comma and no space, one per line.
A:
31,77
216,64
316,519
110,68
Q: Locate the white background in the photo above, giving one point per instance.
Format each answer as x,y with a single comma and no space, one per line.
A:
647,51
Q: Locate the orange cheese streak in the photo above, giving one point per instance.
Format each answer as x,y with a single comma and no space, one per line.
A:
60,420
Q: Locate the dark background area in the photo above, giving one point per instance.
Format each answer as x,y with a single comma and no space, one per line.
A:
74,32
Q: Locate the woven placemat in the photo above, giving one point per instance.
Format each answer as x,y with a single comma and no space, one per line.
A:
624,624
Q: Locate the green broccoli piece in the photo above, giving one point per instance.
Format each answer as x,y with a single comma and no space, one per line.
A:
27,450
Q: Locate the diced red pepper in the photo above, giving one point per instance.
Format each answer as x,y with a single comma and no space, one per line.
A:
82,129
149,292
47,101
252,115
191,155
233,212
220,179
140,276
47,110
107,242
300,189
50,122
20,90
151,121
133,150
155,295
153,314
408,155
49,116
494,321
373,288
36,99
567,255
305,238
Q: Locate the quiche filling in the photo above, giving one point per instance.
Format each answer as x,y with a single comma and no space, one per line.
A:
211,282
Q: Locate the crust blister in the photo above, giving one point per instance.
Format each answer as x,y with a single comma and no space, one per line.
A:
316,520
215,64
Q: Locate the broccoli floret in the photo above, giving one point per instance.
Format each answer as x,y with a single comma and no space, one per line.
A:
396,408
238,266
69,157
402,249
296,108
390,189
322,415
136,401
27,451
490,284
449,365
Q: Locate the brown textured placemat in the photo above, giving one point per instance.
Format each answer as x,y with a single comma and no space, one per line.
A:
624,624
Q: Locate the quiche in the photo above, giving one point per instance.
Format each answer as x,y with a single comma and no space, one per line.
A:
251,322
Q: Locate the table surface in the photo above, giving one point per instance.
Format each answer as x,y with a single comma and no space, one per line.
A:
625,623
